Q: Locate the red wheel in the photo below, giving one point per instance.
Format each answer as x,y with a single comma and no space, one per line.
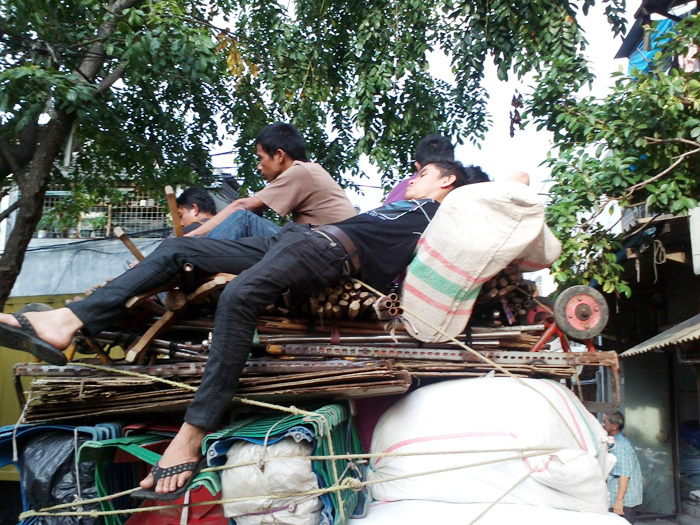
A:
581,312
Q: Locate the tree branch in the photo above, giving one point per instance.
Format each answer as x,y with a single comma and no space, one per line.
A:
94,57
12,207
673,166
655,140
108,81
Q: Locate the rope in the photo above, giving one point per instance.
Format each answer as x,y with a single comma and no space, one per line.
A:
487,360
494,503
15,449
659,257
342,485
536,452
77,464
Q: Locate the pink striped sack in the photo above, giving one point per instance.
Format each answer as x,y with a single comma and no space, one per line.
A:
478,230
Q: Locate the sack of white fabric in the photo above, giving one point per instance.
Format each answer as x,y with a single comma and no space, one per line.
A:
279,477
527,441
477,231
422,512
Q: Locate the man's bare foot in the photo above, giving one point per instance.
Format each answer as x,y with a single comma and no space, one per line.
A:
185,447
56,327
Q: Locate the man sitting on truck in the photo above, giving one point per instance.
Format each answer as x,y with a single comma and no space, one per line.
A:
195,207
375,246
294,186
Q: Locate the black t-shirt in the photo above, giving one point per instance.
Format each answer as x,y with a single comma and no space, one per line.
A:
386,237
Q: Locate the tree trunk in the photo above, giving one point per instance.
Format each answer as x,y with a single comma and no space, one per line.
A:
50,141
32,185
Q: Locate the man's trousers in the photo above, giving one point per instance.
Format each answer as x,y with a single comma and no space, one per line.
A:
243,223
296,258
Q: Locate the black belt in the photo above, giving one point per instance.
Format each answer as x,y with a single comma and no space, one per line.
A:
345,241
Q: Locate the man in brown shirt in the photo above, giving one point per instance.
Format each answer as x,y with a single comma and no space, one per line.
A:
295,186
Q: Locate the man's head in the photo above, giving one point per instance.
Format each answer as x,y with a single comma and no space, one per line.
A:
433,148
277,147
436,179
613,423
195,204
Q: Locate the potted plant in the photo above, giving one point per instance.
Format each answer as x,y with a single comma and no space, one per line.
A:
99,225
45,225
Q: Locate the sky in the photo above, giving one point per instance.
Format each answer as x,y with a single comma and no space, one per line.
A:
500,155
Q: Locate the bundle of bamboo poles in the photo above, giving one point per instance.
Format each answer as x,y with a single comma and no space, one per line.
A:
504,297
345,300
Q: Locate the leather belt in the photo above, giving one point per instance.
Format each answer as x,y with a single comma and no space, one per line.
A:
345,241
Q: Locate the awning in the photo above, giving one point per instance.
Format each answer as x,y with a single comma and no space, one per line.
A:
688,330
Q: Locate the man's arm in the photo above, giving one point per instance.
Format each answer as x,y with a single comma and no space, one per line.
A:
621,490
248,203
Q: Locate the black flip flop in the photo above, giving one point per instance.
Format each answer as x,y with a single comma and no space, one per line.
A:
24,338
159,473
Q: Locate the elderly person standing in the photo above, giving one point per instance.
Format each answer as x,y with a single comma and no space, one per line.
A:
625,479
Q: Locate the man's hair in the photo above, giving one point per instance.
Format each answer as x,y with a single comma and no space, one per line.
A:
434,148
465,174
282,136
198,196
618,419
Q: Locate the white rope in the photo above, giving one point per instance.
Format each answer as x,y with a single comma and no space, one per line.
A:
494,503
77,464
15,448
345,484
659,257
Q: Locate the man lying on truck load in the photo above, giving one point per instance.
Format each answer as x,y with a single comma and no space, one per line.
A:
431,148
374,246
294,185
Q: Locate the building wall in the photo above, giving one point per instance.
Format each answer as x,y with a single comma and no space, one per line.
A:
650,426
71,267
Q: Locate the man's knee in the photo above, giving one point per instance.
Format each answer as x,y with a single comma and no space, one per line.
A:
232,296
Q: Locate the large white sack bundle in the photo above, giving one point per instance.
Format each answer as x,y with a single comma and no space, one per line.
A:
488,420
280,477
434,512
477,231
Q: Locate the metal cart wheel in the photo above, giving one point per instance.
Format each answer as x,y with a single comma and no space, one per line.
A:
581,312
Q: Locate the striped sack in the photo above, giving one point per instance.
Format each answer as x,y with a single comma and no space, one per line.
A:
477,231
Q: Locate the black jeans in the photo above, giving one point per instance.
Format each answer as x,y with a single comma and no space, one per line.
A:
297,258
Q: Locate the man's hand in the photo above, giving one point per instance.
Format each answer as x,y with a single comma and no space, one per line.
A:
618,507
248,203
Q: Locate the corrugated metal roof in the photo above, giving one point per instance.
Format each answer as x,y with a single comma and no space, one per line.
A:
688,330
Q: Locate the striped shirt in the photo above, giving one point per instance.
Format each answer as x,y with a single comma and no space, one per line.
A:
627,465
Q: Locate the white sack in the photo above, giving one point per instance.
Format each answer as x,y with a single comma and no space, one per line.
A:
477,231
500,417
279,477
437,513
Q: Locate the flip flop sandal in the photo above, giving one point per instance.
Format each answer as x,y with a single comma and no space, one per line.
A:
24,338
158,473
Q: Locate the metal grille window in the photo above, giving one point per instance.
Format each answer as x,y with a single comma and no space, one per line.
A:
139,215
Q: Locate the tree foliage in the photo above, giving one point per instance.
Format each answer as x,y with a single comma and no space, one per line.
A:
96,92
640,145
